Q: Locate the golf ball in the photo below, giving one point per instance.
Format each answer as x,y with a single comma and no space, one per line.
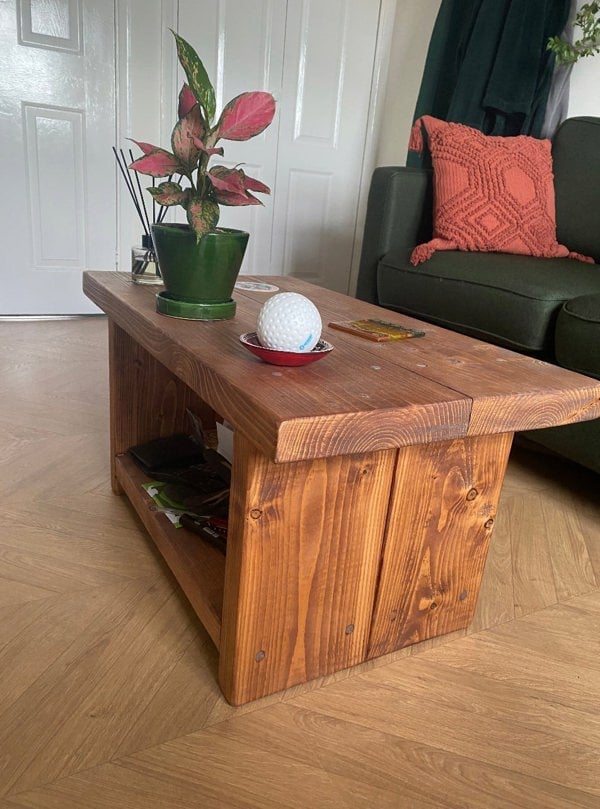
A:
289,322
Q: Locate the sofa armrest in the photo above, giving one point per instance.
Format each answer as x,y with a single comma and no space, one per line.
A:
398,216
577,335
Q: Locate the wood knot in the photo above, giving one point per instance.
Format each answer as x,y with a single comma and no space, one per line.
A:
472,494
256,513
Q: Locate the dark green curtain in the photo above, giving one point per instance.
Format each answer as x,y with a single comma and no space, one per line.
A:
487,65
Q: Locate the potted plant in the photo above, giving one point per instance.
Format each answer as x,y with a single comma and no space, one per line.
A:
199,261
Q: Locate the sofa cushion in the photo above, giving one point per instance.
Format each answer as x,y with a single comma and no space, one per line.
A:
492,194
578,335
509,300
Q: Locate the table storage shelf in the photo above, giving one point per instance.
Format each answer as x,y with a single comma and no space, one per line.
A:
198,567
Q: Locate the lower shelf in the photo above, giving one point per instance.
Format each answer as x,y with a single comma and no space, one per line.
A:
198,567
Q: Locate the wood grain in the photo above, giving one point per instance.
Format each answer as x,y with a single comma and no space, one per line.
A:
363,396
509,390
146,399
437,401
302,568
441,517
258,399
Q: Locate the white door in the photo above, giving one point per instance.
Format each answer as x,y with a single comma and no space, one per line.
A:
328,72
57,125
317,57
242,47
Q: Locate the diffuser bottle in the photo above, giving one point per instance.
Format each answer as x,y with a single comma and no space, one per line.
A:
144,264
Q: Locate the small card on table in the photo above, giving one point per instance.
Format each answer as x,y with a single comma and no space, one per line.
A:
377,330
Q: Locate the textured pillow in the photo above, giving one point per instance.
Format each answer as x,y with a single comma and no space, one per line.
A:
491,194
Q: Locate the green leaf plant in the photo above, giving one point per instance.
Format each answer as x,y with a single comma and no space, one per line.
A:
194,142
588,20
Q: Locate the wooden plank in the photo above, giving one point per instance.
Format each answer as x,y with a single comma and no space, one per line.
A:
349,433
267,403
517,738
440,521
571,565
301,568
412,379
510,391
146,399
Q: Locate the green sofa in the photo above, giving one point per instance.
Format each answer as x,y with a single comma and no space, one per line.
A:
549,308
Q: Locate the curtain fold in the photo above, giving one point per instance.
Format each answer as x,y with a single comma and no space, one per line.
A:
488,67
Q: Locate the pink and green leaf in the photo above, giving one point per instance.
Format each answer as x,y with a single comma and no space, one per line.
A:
170,194
186,101
255,185
145,147
188,130
197,77
158,163
245,116
202,215
230,187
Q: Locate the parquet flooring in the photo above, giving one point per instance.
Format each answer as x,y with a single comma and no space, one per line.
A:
108,694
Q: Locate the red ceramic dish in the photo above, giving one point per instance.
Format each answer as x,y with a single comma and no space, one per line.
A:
271,355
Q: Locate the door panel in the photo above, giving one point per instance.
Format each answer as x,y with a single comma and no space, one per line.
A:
328,70
241,45
57,124
54,149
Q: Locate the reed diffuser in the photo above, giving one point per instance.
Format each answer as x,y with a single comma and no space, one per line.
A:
144,264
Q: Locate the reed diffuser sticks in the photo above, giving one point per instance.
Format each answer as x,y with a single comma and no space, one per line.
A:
136,193
143,259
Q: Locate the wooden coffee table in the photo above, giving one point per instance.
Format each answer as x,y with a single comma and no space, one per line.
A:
364,486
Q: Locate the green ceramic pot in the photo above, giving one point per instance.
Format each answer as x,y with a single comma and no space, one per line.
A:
200,275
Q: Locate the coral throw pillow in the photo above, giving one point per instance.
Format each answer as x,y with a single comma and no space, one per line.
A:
491,194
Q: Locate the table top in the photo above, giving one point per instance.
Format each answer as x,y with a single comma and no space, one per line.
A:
363,396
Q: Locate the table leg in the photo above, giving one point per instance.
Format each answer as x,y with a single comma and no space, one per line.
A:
301,571
440,521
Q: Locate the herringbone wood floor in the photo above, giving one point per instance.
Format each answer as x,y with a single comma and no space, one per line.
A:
108,694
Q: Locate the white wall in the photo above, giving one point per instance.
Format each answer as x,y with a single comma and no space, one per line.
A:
412,32
584,93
